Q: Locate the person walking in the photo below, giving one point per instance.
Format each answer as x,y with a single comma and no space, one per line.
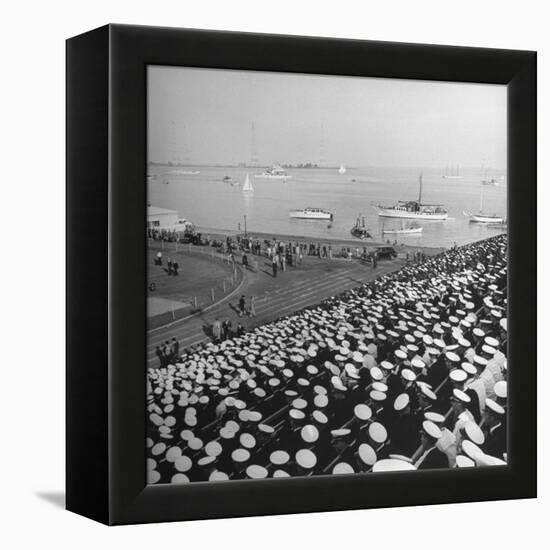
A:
242,305
252,308
175,267
274,265
244,261
158,261
216,330
169,263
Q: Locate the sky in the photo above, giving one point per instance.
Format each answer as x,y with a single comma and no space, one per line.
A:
205,116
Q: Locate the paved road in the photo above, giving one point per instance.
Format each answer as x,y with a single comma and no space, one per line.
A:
294,291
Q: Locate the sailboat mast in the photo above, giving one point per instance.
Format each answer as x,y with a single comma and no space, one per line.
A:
481,198
420,190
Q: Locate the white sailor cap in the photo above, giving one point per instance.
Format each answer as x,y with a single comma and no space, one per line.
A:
343,468
362,412
320,401
434,417
488,460
217,475
468,368
428,392
431,429
296,414
195,444
213,448
367,454
417,363
474,433
464,462
471,449
248,441
279,457
376,373
309,433
172,454
452,356
319,417
255,471
392,465
280,473
183,463
179,478
306,459
380,386
240,455
458,375
461,396
299,403
376,395
493,406
378,432
400,354
501,389
385,365
401,401
408,375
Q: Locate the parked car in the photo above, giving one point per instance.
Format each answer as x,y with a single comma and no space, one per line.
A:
386,252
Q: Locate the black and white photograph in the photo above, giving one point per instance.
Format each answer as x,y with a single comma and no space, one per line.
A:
327,275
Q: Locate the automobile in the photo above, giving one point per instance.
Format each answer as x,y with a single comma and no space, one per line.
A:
386,252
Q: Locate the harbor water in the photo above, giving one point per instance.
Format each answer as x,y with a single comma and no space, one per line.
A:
211,203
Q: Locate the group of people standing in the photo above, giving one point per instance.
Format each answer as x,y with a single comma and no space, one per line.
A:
168,352
172,265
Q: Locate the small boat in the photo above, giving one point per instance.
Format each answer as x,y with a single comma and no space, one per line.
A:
359,230
230,180
413,229
178,172
413,209
275,173
482,217
247,185
311,214
342,169
493,182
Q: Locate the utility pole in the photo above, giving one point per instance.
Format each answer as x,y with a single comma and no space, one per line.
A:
245,225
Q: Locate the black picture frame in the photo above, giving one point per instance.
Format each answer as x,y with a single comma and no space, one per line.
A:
106,273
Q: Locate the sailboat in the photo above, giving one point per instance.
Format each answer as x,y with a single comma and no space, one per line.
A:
413,209
342,169
481,217
247,185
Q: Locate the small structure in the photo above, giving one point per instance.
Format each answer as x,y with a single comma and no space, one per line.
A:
160,217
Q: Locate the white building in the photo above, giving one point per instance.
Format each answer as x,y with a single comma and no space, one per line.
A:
161,217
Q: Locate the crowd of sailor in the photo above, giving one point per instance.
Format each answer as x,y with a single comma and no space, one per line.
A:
405,372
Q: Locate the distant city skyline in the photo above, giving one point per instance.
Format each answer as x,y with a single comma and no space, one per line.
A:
206,116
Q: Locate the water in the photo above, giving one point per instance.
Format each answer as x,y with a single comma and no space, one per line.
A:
211,203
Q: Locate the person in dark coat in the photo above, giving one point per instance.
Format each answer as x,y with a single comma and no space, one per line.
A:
175,267
431,456
159,354
404,427
175,349
242,305
169,264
